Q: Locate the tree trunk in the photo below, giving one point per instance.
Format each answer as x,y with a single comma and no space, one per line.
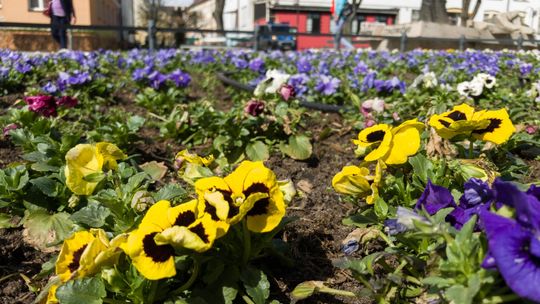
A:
434,11
465,11
218,13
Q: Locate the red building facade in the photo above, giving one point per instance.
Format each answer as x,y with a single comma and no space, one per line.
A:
317,21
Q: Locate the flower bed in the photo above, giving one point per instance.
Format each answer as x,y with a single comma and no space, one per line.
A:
146,180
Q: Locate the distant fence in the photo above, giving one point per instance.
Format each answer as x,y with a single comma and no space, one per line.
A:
123,37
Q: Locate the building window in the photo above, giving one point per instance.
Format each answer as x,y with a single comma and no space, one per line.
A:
313,23
415,16
36,5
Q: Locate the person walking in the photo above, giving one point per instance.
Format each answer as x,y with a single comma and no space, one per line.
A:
62,14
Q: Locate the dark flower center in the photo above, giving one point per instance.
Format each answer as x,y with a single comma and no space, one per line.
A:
494,123
200,232
457,115
375,136
446,124
233,210
158,253
185,218
210,209
260,207
76,259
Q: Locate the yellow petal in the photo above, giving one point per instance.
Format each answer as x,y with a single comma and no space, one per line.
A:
405,142
82,160
156,216
352,180
499,127
111,153
199,236
372,135
70,255
266,213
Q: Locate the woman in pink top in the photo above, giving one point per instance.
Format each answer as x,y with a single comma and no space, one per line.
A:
61,13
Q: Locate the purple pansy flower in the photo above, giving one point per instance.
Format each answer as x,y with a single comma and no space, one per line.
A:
257,65
180,78
303,65
286,91
8,128
435,198
514,244
327,85
299,83
156,79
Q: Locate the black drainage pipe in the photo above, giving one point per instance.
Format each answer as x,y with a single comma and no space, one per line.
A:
310,105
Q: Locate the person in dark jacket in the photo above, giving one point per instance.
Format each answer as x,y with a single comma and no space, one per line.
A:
62,14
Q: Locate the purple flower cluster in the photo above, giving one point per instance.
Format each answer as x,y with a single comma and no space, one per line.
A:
157,80
47,105
514,243
477,196
327,85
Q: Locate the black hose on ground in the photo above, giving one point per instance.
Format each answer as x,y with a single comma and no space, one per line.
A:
309,105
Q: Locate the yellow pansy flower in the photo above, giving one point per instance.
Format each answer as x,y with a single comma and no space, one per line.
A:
261,194
188,230
493,126
380,134
153,261
458,121
82,160
85,253
499,126
192,158
358,181
250,190
395,145
86,159
405,142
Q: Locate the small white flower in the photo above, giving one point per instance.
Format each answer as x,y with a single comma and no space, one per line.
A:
476,87
271,84
488,80
463,88
430,80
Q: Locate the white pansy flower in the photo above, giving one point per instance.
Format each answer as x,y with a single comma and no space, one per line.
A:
271,84
488,80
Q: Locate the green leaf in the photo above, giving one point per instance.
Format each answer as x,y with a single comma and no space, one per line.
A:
257,151
6,221
135,122
88,291
135,181
381,208
422,166
299,147
46,185
170,192
156,170
93,215
256,284
15,178
94,177
42,228
305,290
458,294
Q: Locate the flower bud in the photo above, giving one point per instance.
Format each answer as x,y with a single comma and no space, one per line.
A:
141,201
287,91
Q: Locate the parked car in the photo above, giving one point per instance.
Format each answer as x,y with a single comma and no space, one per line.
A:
275,36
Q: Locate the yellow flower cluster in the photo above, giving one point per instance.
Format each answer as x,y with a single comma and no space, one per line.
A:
494,126
84,254
388,146
85,160
250,193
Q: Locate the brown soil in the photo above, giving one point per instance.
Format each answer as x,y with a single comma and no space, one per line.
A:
17,260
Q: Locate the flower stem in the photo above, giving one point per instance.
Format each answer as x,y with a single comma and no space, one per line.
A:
191,280
471,149
247,299
501,299
152,293
247,242
337,292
